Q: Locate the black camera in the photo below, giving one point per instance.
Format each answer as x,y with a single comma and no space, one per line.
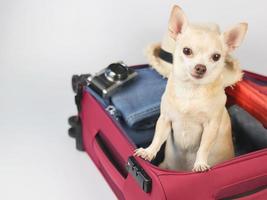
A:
106,82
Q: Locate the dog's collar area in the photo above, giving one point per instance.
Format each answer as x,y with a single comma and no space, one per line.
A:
166,56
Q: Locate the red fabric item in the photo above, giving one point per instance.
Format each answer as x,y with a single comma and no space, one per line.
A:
239,175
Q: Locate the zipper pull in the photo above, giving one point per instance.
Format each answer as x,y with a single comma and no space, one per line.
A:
113,112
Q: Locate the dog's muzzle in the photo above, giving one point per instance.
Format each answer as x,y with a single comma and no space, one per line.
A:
199,71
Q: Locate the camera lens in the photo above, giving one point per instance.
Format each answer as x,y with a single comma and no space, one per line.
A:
116,72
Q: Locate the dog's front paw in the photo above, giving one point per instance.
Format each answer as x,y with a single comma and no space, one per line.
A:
146,154
201,167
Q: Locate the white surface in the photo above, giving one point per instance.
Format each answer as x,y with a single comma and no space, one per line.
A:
42,43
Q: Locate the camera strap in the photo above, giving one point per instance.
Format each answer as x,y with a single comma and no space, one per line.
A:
166,56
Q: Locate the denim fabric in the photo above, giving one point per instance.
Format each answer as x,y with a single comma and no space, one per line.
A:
141,138
139,101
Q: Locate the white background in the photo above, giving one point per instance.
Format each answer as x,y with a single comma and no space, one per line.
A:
42,43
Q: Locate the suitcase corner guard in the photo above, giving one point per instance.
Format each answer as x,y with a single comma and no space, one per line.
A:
142,178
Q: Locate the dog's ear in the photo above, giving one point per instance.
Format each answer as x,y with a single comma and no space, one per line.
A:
177,22
235,35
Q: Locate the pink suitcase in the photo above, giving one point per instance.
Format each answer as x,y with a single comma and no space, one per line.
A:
111,149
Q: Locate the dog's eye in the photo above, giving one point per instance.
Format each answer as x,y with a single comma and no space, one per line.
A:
215,57
187,51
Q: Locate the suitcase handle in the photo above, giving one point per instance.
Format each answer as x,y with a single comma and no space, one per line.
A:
250,189
262,194
108,161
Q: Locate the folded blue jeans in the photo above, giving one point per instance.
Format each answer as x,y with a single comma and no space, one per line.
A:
139,101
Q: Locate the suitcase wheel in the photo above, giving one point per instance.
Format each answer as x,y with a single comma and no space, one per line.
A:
75,131
73,120
72,132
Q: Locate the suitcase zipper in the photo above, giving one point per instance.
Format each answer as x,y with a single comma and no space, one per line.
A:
235,160
113,112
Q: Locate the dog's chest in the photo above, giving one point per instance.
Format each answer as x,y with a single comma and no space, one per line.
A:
190,103
187,113
187,131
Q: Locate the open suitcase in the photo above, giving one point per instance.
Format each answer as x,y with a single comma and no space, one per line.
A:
111,145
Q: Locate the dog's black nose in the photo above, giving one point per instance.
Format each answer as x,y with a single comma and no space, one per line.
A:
200,69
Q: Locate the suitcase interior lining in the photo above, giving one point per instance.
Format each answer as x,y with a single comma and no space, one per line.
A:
243,142
254,80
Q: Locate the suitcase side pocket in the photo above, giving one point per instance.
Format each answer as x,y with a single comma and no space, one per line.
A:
248,189
259,195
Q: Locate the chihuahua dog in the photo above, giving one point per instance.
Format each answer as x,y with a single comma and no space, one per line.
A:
193,120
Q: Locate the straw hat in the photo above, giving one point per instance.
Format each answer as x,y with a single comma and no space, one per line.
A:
159,56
